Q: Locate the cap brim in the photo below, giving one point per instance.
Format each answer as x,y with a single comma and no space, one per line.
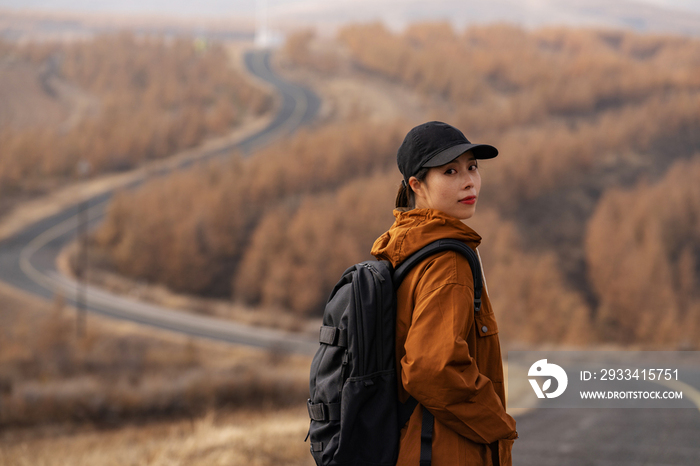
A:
480,151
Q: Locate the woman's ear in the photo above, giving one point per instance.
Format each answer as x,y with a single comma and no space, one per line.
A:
418,188
415,185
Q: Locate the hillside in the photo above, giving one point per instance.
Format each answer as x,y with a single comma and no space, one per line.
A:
72,110
577,115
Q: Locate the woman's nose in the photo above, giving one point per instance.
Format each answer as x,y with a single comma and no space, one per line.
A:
469,182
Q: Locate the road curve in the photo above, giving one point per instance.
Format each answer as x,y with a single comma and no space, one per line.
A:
28,258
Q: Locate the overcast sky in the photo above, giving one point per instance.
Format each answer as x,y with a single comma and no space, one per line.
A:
689,5
215,8
654,16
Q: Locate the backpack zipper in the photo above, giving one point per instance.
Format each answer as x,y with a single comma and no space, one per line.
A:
380,330
358,330
343,368
374,271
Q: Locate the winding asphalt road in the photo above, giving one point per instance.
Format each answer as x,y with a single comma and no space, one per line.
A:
28,258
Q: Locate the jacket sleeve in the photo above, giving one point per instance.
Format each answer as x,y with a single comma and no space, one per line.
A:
440,373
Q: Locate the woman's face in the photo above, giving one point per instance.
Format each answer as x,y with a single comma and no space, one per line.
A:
452,188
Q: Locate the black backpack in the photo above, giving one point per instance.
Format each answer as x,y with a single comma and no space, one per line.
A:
355,414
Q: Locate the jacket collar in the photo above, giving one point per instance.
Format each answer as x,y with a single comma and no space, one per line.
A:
416,228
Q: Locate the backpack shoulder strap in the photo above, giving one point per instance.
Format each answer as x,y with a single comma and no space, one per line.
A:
445,244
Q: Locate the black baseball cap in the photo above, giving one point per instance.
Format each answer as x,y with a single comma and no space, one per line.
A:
433,144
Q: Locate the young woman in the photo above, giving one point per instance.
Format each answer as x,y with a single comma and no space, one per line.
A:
448,359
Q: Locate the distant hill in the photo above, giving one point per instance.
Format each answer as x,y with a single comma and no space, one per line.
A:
641,16
31,25
235,19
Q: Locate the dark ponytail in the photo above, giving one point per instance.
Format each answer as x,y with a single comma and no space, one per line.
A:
405,197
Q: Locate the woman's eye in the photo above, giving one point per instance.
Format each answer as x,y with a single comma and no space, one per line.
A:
450,171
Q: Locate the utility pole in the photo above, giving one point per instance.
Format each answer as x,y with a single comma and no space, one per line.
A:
82,267
82,259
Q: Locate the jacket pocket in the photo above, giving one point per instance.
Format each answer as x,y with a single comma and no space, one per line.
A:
505,448
486,324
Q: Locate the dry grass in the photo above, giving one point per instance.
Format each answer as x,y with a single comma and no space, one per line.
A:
126,394
120,372
246,438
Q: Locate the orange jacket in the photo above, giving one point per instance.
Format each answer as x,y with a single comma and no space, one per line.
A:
447,359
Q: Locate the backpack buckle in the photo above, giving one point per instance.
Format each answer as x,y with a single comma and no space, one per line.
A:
323,411
333,336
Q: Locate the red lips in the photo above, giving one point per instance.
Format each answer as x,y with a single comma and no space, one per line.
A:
468,200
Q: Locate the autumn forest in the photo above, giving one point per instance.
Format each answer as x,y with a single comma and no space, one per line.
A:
591,215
